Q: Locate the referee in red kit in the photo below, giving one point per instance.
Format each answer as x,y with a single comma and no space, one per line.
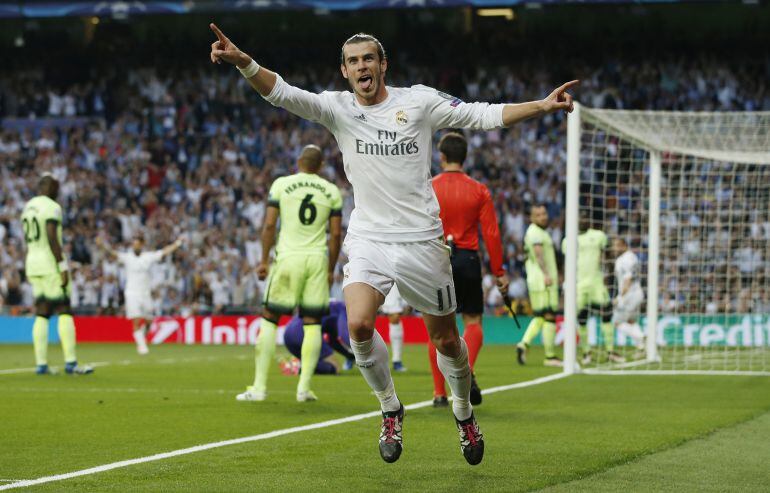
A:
465,205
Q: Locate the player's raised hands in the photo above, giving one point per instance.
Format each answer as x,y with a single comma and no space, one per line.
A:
560,99
224,49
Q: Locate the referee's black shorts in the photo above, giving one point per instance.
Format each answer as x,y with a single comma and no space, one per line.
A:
466,271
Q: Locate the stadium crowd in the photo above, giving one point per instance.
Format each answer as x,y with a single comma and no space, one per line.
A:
193,153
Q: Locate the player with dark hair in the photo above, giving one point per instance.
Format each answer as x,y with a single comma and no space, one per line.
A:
543,287
47,270
395,234
466,207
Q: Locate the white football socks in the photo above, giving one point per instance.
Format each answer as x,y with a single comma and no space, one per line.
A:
457,372
397,340
372,360
141,341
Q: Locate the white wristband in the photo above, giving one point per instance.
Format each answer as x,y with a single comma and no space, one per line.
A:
250,70
63,266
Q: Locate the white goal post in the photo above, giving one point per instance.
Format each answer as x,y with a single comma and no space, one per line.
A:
689,194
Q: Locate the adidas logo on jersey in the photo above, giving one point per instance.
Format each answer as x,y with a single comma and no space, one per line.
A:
361,117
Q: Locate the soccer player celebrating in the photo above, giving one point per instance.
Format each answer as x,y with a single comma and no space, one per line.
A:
542,284
138,290
592,293
303,269
47,270
466,205
630,294
395,234
393,307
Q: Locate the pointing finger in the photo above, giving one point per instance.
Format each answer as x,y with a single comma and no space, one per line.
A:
567,85
219,33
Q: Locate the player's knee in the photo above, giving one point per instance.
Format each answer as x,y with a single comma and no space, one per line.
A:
360,328
549,316
394,318
448,343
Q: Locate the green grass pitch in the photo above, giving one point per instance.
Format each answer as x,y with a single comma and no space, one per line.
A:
581,433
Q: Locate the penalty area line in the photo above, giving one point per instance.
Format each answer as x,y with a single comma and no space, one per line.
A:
253,438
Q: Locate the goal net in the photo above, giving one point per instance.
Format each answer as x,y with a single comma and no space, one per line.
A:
688,195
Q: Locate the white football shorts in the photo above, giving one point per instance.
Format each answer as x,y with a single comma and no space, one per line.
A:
139,306
420,270
628,306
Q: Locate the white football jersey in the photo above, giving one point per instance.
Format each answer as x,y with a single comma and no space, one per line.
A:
386,149
627,266
138,270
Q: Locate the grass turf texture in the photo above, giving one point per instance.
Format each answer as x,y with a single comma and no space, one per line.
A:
576,429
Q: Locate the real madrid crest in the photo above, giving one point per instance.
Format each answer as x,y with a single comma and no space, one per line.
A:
401,117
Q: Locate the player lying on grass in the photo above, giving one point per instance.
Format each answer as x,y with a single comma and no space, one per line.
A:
303,269
334,328
138,290
395,234
47,270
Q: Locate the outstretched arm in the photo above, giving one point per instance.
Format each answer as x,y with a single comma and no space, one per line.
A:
169,249
558,100
448,112
105,248
268,84
224,49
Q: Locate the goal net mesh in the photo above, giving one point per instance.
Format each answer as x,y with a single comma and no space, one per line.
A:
713,289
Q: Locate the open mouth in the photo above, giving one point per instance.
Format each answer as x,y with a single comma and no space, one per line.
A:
365,81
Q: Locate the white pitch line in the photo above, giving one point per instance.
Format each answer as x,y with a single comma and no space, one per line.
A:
253,438
11,371
126,362
125,390
679,373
